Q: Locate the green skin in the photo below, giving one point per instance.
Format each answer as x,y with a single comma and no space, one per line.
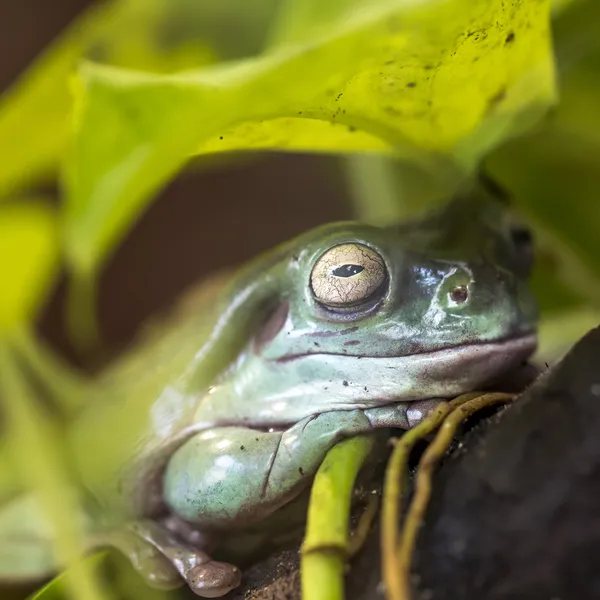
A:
226,420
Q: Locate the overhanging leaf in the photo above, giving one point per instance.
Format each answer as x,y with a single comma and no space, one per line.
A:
156,35
414,78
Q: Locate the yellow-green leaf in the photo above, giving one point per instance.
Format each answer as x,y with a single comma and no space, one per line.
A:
554,171
155,35
35,443
57,589
10,482
28,260
413,78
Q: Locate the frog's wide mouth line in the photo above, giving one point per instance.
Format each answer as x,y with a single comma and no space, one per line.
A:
524,342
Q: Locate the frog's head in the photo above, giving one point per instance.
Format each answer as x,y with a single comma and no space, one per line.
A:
367,316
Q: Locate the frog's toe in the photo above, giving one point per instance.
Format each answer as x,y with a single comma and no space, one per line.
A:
161,575
146,559
213,579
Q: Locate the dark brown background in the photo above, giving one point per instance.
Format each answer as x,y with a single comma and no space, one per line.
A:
204,221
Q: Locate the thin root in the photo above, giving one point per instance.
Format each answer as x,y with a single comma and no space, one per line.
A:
359,535
397,555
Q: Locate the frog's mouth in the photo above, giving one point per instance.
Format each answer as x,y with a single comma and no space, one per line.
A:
400,391
526,341
274,394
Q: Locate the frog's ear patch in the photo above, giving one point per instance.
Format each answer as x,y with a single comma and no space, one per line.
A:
271,327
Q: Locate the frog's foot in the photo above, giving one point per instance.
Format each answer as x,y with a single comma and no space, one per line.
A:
165,562
153,566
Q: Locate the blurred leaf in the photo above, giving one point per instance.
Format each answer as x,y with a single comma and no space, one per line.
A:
559,5
155,35
35,444
385,190
559,332
60,381
554,172
57,589
414,78
26,541
28,260
10,482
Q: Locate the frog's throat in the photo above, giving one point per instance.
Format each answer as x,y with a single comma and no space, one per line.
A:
278,394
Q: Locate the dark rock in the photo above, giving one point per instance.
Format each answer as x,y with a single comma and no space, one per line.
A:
516,512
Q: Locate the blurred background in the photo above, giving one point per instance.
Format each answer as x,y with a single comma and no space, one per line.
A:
254,204
446,87
513,94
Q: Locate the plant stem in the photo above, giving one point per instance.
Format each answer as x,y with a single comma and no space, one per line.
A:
34,444
63,382
82,313
414,517
392,496
325,547
374,188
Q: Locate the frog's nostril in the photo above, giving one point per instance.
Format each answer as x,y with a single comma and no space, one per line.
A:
521,236
459,294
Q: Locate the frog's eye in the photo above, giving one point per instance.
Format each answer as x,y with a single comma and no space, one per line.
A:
348,275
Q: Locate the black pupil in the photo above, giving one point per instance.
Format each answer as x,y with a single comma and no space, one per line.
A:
347,270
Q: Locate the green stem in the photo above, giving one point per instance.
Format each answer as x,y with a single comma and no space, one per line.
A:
82,313
386,190
63,382
396,587
34,443
374,188
325,548
462,407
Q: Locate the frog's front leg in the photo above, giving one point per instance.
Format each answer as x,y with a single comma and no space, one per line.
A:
231,477
220,480
165,561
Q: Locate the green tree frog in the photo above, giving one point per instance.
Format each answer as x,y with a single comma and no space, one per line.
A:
345,330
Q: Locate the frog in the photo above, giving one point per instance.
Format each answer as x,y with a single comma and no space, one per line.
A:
348,329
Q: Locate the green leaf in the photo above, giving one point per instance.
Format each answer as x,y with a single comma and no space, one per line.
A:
560,331
28,261
10,482
417,79
34,113
35,444
554,172
57,589
155,35
26,541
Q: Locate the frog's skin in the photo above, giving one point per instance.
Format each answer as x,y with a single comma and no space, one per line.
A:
227,418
